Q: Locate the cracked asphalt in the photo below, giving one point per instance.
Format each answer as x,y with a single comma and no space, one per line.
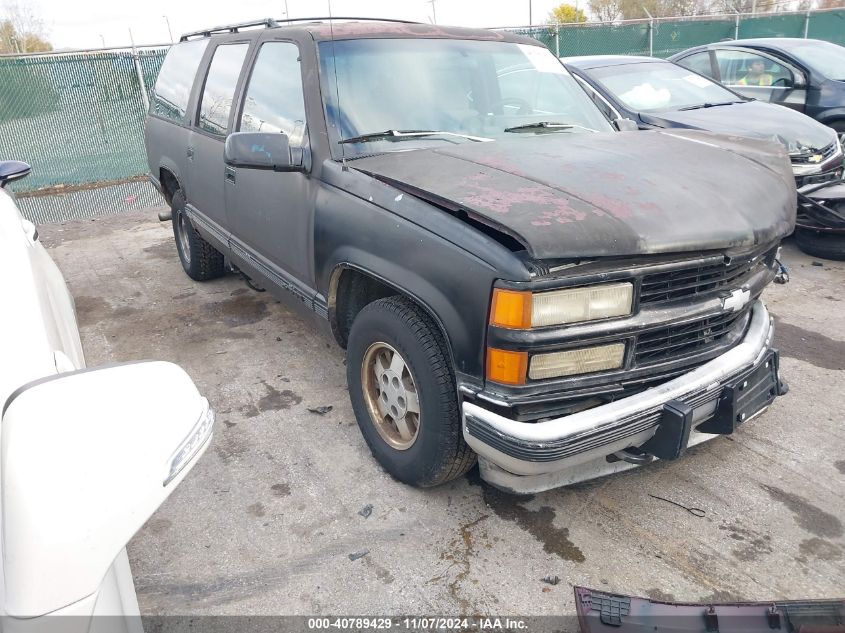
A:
267,520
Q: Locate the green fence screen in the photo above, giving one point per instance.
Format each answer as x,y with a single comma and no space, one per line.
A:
78,118
672,35
75,118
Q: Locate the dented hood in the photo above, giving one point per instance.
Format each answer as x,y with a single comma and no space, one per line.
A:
590,195
755,119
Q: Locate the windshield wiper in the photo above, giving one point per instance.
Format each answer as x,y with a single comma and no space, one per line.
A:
401,135
708,105
552,126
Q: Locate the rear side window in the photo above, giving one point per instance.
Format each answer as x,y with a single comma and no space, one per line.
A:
274,100
173,86
219,89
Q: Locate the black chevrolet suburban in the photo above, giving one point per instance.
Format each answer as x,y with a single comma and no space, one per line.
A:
512,278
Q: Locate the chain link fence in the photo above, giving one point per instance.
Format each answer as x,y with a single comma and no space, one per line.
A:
78,118
662,37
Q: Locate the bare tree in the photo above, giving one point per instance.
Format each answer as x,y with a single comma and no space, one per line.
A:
21,30
606,10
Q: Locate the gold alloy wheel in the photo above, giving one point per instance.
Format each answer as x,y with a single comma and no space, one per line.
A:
391,396
184,243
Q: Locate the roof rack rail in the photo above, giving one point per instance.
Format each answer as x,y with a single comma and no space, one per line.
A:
230,28
272,23
339,17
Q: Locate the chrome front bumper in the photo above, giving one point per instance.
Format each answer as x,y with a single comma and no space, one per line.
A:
527,458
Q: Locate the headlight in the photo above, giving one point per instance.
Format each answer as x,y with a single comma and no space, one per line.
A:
577,361
523,310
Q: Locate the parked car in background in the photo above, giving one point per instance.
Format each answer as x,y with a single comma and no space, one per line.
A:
658,94
803,74
87,454
510,277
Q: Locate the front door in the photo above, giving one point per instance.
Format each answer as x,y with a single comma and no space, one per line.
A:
271,213
206,170
761,77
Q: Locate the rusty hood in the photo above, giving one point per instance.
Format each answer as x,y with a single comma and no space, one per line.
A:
572,195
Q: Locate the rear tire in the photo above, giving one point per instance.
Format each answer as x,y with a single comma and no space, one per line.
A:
821,244
200,260
425,448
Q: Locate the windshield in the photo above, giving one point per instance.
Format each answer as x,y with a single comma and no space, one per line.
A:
464,87
654,86
826,58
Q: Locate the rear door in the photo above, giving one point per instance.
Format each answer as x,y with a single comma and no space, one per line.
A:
206,170
272,213
778,83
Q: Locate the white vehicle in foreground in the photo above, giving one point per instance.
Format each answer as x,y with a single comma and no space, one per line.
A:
86,454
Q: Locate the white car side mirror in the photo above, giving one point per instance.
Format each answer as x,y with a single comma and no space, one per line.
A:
87,457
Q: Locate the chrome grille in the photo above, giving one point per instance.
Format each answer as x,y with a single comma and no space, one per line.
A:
699,280
677,341
804,159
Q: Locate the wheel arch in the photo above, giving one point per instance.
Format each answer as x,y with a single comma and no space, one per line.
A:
344,304
170,181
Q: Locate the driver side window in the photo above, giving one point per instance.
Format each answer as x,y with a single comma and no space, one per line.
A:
274,98
740,68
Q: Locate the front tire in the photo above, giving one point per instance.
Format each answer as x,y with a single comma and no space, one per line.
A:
200,260
402,388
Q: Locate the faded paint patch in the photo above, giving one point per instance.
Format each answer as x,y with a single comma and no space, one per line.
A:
548,204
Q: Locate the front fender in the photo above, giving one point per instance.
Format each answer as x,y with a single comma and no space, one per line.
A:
452,284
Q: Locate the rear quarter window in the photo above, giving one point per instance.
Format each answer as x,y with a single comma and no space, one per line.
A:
699,62
173,86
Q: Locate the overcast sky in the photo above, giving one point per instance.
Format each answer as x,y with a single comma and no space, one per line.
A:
79,24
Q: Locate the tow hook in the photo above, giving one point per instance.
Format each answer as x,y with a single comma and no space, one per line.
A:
626,455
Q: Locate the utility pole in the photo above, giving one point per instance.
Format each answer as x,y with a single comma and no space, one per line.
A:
530,17
433,10
287,13
650,33
169,32
141,85
103,40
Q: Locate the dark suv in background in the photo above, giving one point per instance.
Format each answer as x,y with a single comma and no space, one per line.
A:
510,277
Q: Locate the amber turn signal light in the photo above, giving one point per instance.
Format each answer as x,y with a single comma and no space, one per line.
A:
506,367
511,309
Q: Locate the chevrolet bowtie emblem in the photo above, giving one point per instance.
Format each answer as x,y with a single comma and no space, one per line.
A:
736,300
815,158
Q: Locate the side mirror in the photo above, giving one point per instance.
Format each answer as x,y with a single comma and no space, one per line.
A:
260,150
799,81
87,457
625,125
12,170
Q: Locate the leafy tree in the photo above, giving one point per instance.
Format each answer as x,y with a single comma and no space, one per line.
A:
566,14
